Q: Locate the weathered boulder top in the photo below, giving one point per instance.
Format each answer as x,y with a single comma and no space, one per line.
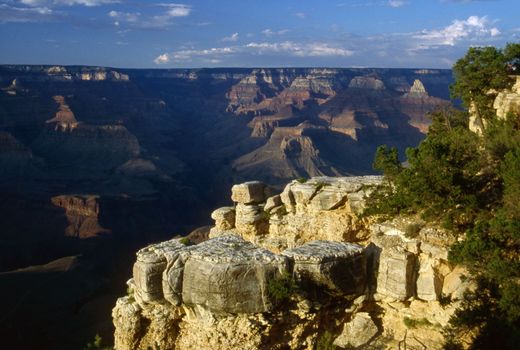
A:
229,248
320,251
348,183
156,252
232,249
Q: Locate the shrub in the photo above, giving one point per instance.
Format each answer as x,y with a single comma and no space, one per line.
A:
281,288
185,241
412,230
325,342
301,180
96,344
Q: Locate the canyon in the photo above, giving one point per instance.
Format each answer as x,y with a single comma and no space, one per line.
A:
96,162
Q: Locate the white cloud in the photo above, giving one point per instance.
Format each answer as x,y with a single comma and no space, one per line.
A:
494,31
26,14
232,37
270,32
300,50
396,3
130,17
216,54
162,59
300,15
470,29
136,20
177,10
51,3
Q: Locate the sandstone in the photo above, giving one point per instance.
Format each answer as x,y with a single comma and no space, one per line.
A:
429,281
338,267
272,202
508,101
417,89
248,193
396,273
358,332
215,232
455,283
328,198
224,218
82,212
127,321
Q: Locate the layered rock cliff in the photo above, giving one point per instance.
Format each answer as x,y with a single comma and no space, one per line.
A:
293,269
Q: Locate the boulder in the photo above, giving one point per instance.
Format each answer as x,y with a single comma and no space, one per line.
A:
303,192
228,274
248,192
338,267
147,272
224,218
358,332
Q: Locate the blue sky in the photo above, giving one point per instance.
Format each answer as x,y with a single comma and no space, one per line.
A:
252,33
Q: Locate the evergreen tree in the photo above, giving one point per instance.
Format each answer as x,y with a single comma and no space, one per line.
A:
472,184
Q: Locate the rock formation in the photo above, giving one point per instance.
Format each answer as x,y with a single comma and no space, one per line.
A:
417,89
82,213
508,101
280,270
64,117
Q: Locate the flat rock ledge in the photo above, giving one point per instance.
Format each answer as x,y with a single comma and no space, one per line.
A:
227,274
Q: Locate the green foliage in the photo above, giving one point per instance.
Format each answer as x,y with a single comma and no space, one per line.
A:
443,179
482,69
480,72
96,344
512,55
412,230
281,288
302,180
325,342
471,185
185,241
387,162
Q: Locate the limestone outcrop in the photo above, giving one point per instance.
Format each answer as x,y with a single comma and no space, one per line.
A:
508,101
281,269
229,282
321,208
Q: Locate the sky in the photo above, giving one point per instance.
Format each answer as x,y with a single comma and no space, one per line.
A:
252,33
